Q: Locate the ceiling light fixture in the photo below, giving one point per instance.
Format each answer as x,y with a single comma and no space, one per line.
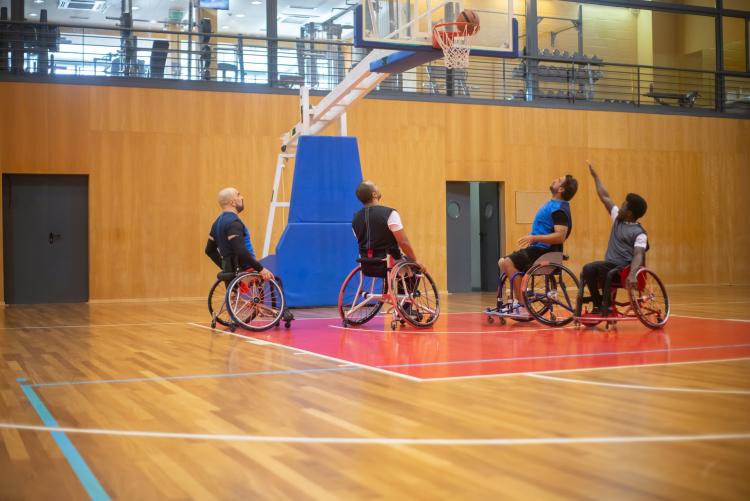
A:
239,15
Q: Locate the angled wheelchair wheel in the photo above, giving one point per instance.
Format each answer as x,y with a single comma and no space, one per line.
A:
550,292
360,297
217,304
415,295
253,303
649,299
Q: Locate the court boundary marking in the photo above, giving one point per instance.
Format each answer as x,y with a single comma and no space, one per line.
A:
346,365
144,324
614,439
386,368
735,391
587,369
426,332
75,460
183,322
319,355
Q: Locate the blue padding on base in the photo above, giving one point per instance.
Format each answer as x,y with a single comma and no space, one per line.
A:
313,260
404,60
318,248
326,174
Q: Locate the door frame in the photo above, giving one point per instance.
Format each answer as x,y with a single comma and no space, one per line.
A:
501,216
4,173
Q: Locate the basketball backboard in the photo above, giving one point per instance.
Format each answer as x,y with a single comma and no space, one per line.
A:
407,24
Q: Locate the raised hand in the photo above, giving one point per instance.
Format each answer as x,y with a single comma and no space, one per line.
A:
591,169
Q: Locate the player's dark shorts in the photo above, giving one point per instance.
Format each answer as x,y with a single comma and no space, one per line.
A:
524,258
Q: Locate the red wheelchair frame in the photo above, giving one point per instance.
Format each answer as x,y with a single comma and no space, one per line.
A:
647,301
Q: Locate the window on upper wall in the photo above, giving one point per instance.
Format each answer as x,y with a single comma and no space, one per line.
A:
737,4
693,3
734,44
628,36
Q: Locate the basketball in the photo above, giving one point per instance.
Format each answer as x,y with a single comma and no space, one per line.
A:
471,18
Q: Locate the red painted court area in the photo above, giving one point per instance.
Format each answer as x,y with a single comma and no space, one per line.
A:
464,344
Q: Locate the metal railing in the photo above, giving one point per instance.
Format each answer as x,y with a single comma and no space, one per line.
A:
34,49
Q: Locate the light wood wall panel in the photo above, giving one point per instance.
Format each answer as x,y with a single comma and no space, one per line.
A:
156,159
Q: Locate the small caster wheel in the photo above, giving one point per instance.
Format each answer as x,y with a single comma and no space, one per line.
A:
503,321
344,323
490,320
213,324
394,324
287,324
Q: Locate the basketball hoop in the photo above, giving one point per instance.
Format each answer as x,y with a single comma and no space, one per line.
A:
455,40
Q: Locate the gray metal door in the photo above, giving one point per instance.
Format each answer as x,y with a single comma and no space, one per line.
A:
458,226
489,233
45,239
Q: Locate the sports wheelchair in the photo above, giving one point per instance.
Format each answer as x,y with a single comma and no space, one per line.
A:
245,299
411,293
647,301
548,289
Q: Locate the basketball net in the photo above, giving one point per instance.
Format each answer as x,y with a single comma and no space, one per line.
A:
455,41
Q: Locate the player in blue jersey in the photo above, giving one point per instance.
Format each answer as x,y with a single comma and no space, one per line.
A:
552,226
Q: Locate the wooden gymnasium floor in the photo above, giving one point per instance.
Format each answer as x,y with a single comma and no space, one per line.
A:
142,400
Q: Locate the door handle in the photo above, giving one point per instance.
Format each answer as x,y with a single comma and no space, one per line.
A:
53,236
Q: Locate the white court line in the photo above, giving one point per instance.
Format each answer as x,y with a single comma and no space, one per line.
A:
715,302
424,332
39,327
712,318
326,357
90,326
639,387
162,323
584,369
383,440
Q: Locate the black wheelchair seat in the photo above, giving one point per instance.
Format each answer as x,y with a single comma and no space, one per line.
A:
374,266
226,275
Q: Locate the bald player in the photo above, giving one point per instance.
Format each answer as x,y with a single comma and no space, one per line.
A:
228,242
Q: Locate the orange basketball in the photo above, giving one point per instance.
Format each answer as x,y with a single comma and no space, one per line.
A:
471,18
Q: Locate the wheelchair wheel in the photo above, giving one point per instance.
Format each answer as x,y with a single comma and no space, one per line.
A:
550,293
253,303
415,295
649,300
217,304
359,297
